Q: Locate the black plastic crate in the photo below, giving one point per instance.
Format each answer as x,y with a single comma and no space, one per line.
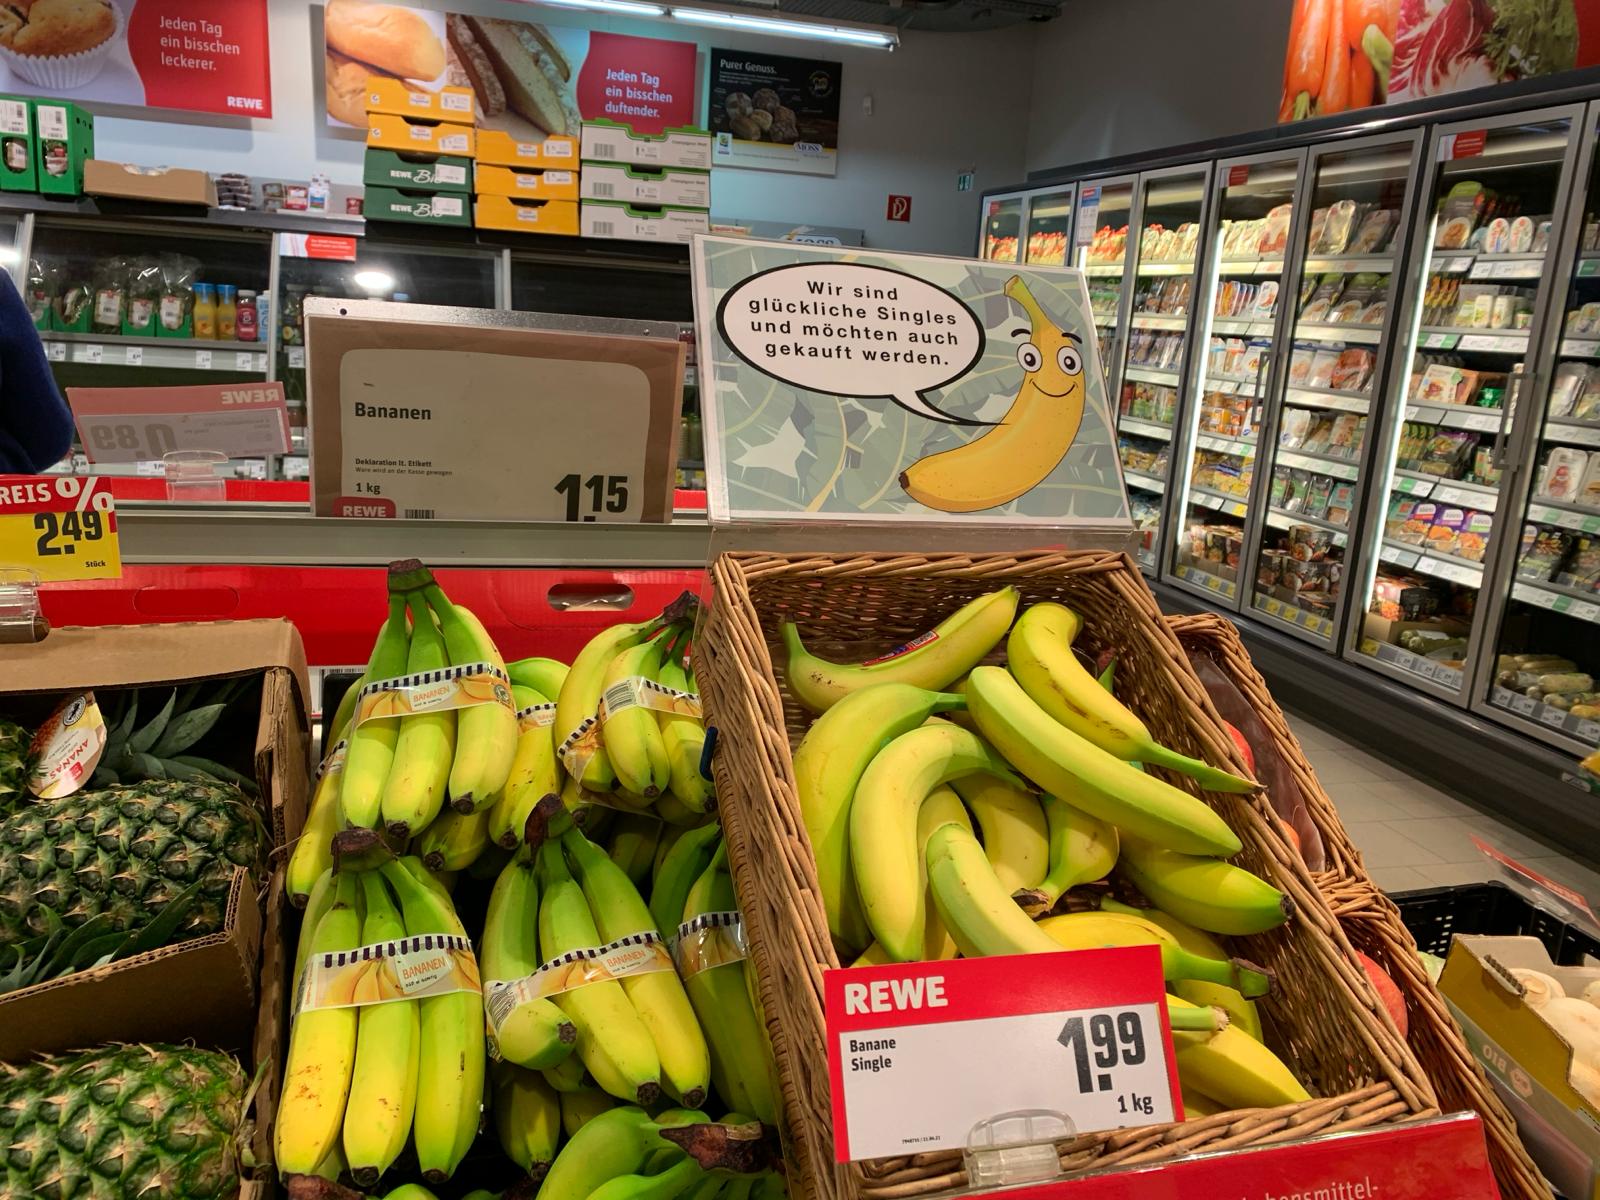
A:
1433,915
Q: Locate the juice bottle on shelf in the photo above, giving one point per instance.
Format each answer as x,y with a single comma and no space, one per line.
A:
247,323
205,311
227,312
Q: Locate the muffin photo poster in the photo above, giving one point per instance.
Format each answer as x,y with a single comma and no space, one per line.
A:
529,80
194,55
774,113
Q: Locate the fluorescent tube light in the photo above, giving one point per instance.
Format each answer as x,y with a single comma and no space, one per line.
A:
627,8
374,281
854,35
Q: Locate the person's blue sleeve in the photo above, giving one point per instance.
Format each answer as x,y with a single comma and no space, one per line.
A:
35,423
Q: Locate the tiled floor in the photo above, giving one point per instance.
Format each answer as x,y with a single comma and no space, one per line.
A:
1412,835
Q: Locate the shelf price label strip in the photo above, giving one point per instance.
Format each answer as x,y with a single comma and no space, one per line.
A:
129,425
1083,1033
61,527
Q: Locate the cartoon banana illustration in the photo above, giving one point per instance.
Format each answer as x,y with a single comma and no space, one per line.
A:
1035,434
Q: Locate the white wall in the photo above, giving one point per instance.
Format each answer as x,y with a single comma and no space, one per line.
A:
926,126
1112,79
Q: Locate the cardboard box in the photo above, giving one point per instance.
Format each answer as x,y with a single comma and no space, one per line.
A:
162,185
417,207
528,185
613,142
395,96
424,137
601,218
1525,1058
1383,629
497,148
63,142
19,161
527,216
636,185
428,172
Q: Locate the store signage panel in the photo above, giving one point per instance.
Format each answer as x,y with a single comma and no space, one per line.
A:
1082,1033
126,425
866,385
193,55
330,247
771,112
421,413
528,79
61,527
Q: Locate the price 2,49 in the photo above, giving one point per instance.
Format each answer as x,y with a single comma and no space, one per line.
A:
1115,1041
607,493
68,528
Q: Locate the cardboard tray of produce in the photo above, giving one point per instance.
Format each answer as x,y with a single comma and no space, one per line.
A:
1324,1018
1370,919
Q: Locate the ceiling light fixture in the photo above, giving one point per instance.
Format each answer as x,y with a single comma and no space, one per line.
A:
627,8
876,36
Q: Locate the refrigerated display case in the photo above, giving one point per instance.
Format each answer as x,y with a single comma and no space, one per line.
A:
1003,221
1049,228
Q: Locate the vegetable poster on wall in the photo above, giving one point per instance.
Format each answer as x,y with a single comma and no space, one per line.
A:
1349,54
774,113
528,79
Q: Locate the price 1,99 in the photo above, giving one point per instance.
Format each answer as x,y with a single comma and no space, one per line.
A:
607,493
1115,1040
60,532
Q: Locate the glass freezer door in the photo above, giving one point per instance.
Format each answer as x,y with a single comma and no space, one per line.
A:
1003,218
1102,254
1251,220
1481,251
1049,228
1163,259
1340,311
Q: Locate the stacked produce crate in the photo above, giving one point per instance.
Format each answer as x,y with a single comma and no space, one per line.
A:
645,187
528,187
420,151
44,145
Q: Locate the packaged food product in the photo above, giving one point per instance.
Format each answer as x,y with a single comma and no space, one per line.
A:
1323,299
1266,300
1582,568
1398,513
1341,226
144,295
1344,438
176,308
1497,237
1300,366
1543,551
1445,532
1587,406
1569,382
1414,529
1447,453
1279,491
1275,232
71,310
1295,495
1353,370
40,290
1442,384
1589,489
1373,236
1474,540
1403,598
1358,293
205,310
1295,425
1339,502
1374,313
1323,363
1521,235
1459,213
1316,231
110,295
1318,493
1564,470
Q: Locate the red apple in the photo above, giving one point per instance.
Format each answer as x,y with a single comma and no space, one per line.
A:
1244,746
1387,992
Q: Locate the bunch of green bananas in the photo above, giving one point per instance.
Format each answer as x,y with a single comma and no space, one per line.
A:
918,754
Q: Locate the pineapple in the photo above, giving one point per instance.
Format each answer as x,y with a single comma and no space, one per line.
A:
122,1121
126,852
16,764
157,749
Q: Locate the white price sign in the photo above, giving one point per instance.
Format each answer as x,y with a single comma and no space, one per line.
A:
94,353
1083,1033
135,356
202,360
123,425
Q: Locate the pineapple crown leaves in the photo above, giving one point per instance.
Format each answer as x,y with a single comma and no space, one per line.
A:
157,749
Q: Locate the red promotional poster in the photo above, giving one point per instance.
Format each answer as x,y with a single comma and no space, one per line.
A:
195,55
528,80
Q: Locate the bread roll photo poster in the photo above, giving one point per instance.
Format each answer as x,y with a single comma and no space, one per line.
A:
528,79
195,55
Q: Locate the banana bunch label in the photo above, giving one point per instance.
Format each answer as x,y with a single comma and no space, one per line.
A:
708,941
333,764
409,968
535,716
634,692
465,686
641,953
916,643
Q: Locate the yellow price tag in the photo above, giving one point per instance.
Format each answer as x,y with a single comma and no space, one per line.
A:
60,527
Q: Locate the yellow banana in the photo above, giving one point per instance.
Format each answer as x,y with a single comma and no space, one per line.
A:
685,740
884,851
527,1116
1015,835
936,658
534,771
615,1142
486,734
533,1033
1064,764
1196,1106
828,765
1040,655
543,675
453,841
1082,850
313,851
1231,1066
1088,930
579,698
568,1075
346,709
322,1051
581,1106
633,839
383,1086
371,752
631,734
942,807
1241,1012
414,793
1038,429
317,905
676,814
1204,892
690,855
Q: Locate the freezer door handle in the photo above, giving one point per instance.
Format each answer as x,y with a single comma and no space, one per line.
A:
1507,417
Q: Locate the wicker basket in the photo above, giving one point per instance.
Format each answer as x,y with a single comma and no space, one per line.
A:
1373,923
1324,1017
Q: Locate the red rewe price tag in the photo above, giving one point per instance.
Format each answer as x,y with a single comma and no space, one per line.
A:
919,1053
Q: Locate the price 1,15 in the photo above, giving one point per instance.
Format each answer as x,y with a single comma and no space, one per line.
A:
1116,1041
607,493
67,529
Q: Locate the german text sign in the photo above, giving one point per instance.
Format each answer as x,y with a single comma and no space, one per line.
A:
121,425
59,526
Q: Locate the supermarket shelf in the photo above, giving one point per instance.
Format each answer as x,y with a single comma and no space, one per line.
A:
1148,483
1220,502
1578,433
1322,464
1154,429
1105,320
1579,348
1457,416
1362,335
1506,266
1151,375
1495,341
1568,516
1419,665
1165,268
1427,562
1585,606
1280,518
1238,447
1103,269
1546,714
1251,266
1158,321
1241,326
1205,579
223,218
194,354
1308,397
1146,558
1347,264
1293,614
1238,387
1446,491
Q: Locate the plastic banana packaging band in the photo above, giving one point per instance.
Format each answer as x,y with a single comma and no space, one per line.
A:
433,691
637,954
536,716
409,968
334,763
581,745
710,940
638,692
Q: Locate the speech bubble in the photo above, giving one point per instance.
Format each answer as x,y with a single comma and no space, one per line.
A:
853,330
